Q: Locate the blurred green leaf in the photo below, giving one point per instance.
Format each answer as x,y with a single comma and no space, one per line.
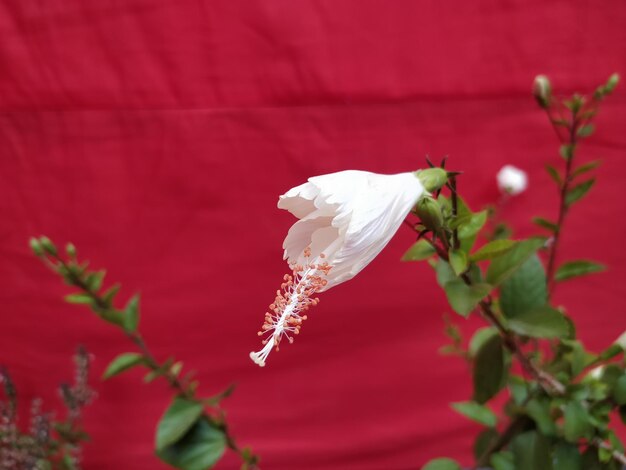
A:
576,423
545,223
539,410
567,457
586,130
420,250
476,412
567,151
531,451
585,168
502,460
480,337
542,322
525,289
122,363
131,314
200,448
577,268
579,191
504,266
94,280
442,464
619,392
463,298
458,261
444,272
488,370
554,174
79,299
492,250
177,420
471,224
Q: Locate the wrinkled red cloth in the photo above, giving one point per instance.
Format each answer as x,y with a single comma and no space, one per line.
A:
157,135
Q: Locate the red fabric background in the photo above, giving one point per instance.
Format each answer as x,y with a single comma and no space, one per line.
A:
157,136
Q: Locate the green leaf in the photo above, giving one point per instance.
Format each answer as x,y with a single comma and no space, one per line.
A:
554,174
585,168
442,464
545,223
122,363
484,441
504,266
177,420
567,456
542,322
200,448
470,225
94,280
420,250
492,250
481,336
488,370
463,298
567,151
586,130
539,410
502,460
531,451
476,412
576,422
525,289
458,261
78,299
444,272
577,268
131,314
578,191
619,392
110,293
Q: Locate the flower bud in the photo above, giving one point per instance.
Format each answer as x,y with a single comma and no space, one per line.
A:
612,83
36,246
70,249
48,246
512,180
542,90
429,212
432,179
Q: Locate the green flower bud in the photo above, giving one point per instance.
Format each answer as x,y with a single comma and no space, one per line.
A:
542,91
611,83
70,249
48,246
36,246
429,212
432,179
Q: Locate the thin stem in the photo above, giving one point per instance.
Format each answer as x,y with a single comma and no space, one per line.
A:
563,206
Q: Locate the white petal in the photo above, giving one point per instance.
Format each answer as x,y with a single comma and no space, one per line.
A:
376,214
300,236
299,200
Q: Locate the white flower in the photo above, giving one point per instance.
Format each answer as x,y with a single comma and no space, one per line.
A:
346,219
512,180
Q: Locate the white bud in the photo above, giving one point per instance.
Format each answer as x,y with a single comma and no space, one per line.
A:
512,180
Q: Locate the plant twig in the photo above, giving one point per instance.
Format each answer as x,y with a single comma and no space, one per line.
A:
149,359
615,454
563,206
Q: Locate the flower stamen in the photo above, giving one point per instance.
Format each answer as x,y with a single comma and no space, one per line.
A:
286,313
